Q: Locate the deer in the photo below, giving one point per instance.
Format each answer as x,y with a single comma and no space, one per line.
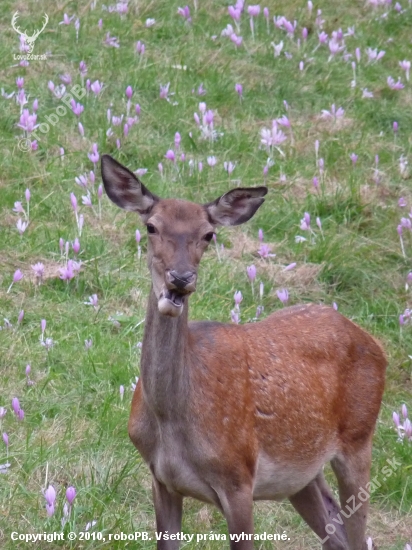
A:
232,413
30,40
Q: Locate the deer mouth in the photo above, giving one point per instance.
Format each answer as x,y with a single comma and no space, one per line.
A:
171,302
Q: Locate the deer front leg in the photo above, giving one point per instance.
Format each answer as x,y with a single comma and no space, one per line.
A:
238,511
168,509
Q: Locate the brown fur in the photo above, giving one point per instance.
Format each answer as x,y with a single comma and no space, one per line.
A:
230,413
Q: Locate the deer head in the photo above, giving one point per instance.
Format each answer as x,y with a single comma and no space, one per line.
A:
30,40
178,231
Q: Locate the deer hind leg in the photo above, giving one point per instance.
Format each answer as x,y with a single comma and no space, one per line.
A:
168,509
316,505
352,470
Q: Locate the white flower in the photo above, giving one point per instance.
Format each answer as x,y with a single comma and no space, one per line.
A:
366,93
277,48
21,226
299,239
150,22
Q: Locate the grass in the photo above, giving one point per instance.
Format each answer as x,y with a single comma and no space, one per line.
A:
75,427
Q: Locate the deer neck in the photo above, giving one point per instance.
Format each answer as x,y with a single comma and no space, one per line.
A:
162,368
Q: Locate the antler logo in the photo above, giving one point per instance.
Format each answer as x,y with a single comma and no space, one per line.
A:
30,40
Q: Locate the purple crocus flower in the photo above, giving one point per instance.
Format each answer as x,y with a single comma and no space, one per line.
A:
283,295
6,439
94,155
70,494
394,85
406,66
238,298
164,91
15,405
76,246
140,48
229,167
235,316
66,19
251,272
185,13
129,92
239,89
67,272
253,11
66,79
73,201
18,276
111,41
305,222
96,87
50,496
38,269
27,121
395,418
77,108
170,155
264,251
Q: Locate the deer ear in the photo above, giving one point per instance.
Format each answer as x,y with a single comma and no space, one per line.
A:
124,189
236,206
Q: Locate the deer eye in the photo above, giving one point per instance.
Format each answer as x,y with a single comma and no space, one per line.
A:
151,229
209,236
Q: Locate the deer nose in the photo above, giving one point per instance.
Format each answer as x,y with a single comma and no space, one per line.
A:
182,281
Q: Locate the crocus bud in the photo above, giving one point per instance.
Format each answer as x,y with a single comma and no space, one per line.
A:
15,405
76,246
21,316
404,411
28,370
395,417
238,298
18,276
27,194
395,127
6,439
251,272
70,494
61,245
129,92
121,391
138,236
73,200
43,325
